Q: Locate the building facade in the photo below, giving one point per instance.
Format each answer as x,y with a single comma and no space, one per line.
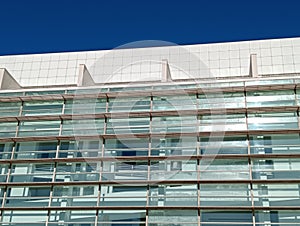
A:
181,135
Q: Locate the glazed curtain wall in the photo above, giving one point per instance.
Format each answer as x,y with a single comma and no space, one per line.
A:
151,160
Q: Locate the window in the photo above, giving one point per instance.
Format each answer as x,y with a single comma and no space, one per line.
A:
42,108
28,150
39,128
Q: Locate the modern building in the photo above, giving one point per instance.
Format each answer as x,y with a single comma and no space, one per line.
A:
177,135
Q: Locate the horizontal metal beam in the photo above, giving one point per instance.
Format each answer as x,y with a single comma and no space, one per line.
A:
148,182
150,158
141,93
236,208
180,113
151,135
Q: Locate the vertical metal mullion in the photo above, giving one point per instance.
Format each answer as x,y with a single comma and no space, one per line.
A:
197,100
249,158
197,126
198,168
198,154
151,110
107,104
102,162
8,175
64,105
48,218
246,108
101,172
297,104
149,154
13,151
148,177
105,117
53,180
54,169
9,169
147,203
105,124
60,127
98,201
20,114
21,108
198,192
251,181
148,161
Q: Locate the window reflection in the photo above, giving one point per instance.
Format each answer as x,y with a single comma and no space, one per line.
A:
34,150
42,108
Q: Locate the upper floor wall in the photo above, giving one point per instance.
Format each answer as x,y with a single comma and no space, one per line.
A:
278,56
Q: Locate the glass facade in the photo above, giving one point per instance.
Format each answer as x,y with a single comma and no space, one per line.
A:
191,156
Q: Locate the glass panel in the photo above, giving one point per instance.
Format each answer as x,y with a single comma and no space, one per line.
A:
185,146
275,144
298,94
47,92
169,217
222,122
83,127
173,170
182,101
8,109
131,170
13,94
269,82
77,171
221,100
226,218
126,147
89,90
2,189
3,172
121,217
80,149
224,169
276,169
276,194
174,124
165,87
225,195
75,195
223,146
35,150
173,195
27,196
129,104
271,98
26,218
277,217
39,128
269,121
5,150
85,106
42,107
76,217
32,172
8,129
127,125
220,84
118,195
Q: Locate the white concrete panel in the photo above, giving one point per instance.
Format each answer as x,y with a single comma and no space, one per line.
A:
223,59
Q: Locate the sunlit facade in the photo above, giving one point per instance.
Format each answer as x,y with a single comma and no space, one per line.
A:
209,152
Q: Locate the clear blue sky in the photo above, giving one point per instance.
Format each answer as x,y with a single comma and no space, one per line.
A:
37,26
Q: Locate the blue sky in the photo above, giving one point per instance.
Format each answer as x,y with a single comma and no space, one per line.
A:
38,26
